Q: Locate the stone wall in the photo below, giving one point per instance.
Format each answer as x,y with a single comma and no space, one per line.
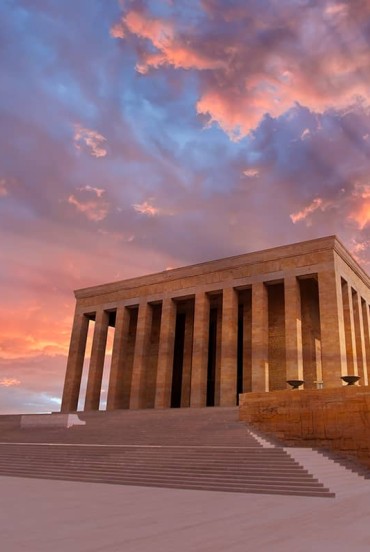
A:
336,419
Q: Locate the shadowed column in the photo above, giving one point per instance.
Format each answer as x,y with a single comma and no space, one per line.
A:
75,363
116,389
293,329
229,347
333,351
198,395
97,361
141,347
259,338
165,354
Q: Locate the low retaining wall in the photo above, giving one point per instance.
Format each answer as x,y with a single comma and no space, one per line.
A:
55,420
336,419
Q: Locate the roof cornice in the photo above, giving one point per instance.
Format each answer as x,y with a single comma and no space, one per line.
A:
255,257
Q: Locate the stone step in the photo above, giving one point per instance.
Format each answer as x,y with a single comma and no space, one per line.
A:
156,453
205,449
238,488
234,470
119,468
181,461
121,471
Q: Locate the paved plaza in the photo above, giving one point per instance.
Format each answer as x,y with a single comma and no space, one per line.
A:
59,516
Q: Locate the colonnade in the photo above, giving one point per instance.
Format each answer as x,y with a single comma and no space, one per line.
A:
204,348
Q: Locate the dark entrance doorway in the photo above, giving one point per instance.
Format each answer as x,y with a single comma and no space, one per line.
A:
178,360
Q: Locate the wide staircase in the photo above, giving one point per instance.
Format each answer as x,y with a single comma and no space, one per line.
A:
205,449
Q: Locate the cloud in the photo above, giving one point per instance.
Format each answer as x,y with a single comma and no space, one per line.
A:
251,173
317,203
117,31
146,208
170,50
90,202
261,60
361,211
3,187
93,141
9,382
98,191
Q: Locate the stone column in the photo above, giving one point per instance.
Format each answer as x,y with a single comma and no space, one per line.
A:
293,329
141,346
96,366
349,329
165,354
75,363
229,347
333,352
259,338
198,396
115,389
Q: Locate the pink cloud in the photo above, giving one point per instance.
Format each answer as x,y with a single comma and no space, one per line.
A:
98,191
3,187
317,203
91,203
251,173
117,30
146,208
91,139
244,77
159,32
171,50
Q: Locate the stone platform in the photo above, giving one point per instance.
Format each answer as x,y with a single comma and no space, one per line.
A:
331,419
205,449
40,513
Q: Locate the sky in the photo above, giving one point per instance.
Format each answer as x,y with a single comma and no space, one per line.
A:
138,136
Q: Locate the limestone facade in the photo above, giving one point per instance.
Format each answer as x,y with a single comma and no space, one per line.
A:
201,335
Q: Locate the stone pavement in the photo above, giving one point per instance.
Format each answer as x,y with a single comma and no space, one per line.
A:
62,516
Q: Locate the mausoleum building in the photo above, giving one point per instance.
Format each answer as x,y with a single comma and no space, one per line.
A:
200,335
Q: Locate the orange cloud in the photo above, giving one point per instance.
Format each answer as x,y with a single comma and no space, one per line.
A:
93,141
9,382
28,331
361,213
